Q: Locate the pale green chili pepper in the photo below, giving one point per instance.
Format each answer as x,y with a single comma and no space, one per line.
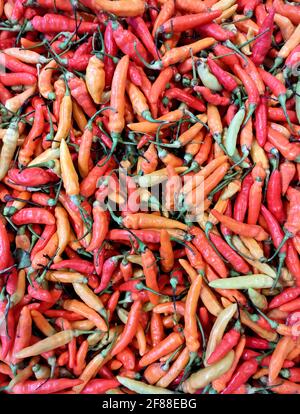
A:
142,388
218,329
233,130
257,281
298,99
239,160
259,300
207,78
205,376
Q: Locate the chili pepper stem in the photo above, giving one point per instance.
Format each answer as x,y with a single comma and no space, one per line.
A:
286,237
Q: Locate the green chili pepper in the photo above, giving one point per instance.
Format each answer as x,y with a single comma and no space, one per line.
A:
257,281
207,78
233,130
257,299
142,388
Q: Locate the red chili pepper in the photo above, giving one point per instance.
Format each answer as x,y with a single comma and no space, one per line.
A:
278,115
130,328
216,31
140,28
48,232
188,21
237,262
100,386
290,151
23,333
212,98
277,88
129,43
276,232
287,295
33,215
261,120
293,262
109,266
30,141
260,13
15,65
274,200
80,94
111,49
150,271
39,293
265,362
228,342
32,177
89,184
57,23
208,252
250,87
79,265
226,55
45,386
4,247
258,343
182,96
262,44
292,222
226,80
100,226
14,79
64,5
243,373
241,202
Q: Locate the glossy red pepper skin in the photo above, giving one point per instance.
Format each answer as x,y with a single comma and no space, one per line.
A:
208,253
100,386
109,266
48,232
226,80
263,43
45,387
141,30
216,31
293,262
110,48
241,376
257,343
57,23
212,98
4,247
32,177
182,96
274,200
229,58
237,262
241,203
78,265
126,40
261,121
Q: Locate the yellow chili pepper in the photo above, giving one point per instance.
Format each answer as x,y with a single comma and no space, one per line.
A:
65,119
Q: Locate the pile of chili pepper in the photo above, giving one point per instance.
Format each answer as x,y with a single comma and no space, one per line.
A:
107,284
